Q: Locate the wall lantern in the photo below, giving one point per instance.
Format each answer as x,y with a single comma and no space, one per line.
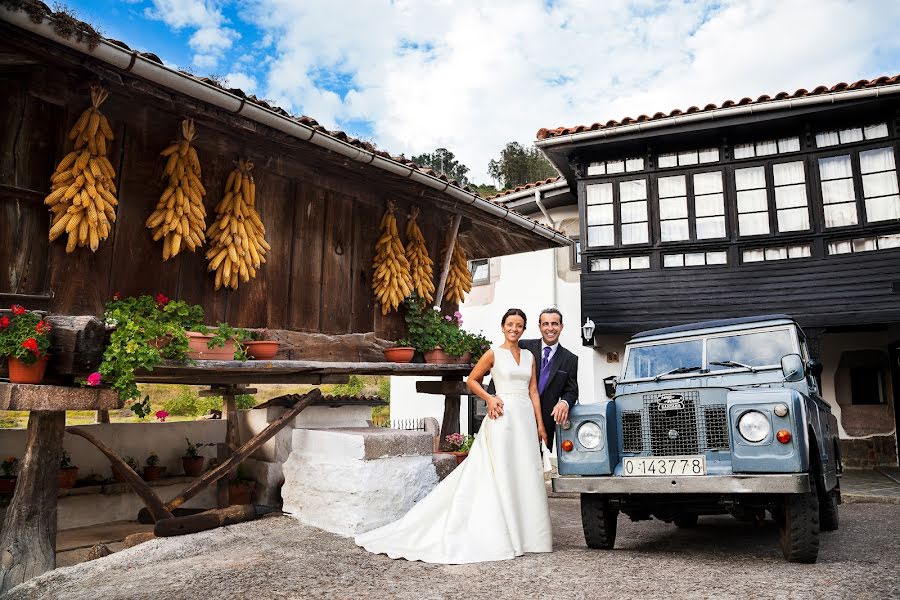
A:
587,331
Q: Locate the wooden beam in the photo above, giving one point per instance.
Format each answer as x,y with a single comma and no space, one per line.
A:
442,388
22,396
210,519
445,268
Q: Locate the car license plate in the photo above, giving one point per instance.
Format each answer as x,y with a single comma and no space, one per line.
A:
664,466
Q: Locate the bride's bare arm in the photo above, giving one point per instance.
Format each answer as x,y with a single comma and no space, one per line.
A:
481,368
536,403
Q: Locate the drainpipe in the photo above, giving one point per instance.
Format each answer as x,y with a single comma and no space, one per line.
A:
540,205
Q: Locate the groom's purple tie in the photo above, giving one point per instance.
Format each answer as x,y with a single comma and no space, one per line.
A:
542,376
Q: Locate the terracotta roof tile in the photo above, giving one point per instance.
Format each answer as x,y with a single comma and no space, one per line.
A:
545,133
527,186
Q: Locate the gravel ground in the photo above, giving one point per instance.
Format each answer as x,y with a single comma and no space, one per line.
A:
280,558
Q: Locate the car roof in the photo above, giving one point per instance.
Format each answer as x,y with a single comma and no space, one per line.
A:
737,323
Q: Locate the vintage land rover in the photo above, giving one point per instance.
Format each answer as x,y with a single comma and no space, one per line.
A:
708,418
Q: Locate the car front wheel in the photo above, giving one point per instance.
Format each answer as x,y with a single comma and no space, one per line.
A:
599,521
798,525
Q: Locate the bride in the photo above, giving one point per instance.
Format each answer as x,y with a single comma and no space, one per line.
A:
493,506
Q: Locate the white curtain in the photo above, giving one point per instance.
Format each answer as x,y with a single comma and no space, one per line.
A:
600,214
634,164
827,138
615,166
709,205
597,168
749,179
793,219
840,215
672,231
789,144
744,151
776,253
709,155
754,255
851,135
635,233
640,262
842,247
601,236
633,190
880,159
619,264
766,148
835,167
863,244
673,208
694,259
883,209
799,252
671,186
880,184
599,193
634,212
600,264
687,158
717,258
838,190
673,260
710,228
888,241
667,160
879,130
753,224
752,201
790,196
708,183
786,173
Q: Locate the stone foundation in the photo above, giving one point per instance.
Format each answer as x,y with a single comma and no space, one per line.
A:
865,453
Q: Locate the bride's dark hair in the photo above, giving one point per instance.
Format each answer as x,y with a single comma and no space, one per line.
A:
514,312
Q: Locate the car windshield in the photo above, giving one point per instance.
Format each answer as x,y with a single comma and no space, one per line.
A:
650,361
754,349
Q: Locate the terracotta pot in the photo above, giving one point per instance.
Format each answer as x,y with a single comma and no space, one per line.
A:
439,357
400,354
68,477
261,349
160,342
198,348
240,491
153,473
7,485
19,372
459,456
193,465
465,358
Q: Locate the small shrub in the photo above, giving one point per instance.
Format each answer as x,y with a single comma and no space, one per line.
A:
384,388
353,387
185,404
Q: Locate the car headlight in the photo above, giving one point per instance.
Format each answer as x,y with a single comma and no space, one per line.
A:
754,426
589,435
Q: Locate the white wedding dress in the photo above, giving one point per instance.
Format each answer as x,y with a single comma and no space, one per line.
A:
493,506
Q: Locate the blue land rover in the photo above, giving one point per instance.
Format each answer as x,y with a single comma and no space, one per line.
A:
708,418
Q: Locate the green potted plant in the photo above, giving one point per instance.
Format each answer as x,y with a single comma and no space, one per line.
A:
8,480
459,445
131,462
216,343
152,469
440,338
24,341
192,461
401,352
68,473
260,348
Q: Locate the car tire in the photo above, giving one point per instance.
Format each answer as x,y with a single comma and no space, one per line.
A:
599,521
828,510
685,520
798,525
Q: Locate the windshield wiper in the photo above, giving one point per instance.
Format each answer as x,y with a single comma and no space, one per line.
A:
731,363
677,371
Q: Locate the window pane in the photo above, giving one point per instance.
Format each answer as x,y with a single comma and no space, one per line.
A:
710,228
600,214
827,138
880,159
601,236
875,131
835,167
671,186
838,190
709,205
708,183
599,193
671,231
667,160
789,144
634,164
766,148
880,184
755,255
785,173
717,258
619,264
776,253
753,224
615,166
744,151
709,155
790,196
634,212
640,262
752,201
634,234
888,241
597,168
863,244
799,252
600,264
793,219
693,259
633,190
883,209
673,208
851,135
842,247
840,215
673,260
687,158
480,270
748,179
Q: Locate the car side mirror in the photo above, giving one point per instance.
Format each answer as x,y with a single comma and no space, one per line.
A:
609,385
792,367
814,367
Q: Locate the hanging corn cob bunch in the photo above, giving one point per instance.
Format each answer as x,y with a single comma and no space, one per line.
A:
391,281
459,279
237,236
180,217
420,264
82,197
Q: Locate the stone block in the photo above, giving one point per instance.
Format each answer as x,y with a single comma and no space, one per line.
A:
362,443
443,464
269,478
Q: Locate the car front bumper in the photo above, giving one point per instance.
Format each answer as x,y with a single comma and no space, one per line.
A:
792,483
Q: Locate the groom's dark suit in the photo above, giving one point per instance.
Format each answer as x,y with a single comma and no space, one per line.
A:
562,381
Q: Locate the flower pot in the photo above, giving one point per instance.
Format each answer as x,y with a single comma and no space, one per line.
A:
160,342
400,354
68,477
439,357
459,456
240,491
198,348
261,349
152,473
7,485
465,358
193,465
19,372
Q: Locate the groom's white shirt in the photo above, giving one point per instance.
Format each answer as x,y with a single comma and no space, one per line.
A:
553,350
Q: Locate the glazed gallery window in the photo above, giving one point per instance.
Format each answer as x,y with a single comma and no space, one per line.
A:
673,212
600,219
633,207
776,253
851,134
601,200
690,157
709,205
620,263
878,174
791,208
612,167
866,244
695,259
752,201
838,195
767,148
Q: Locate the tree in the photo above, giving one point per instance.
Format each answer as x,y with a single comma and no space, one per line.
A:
444,161
518,165
485,190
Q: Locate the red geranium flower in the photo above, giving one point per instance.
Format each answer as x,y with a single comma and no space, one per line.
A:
43,327
4,322
117,296
31,345
161,300
18,310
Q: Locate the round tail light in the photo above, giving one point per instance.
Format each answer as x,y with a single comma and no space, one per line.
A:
567,445
783,436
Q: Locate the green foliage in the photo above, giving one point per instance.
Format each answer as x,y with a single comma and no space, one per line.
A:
184,404
384,389
152,460
65,461
244,401
427,329
141,409
485,190
9,466
353,387
518,165
193,448
131,462
24,336
443,161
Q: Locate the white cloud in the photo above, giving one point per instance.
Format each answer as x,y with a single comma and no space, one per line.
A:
212,37
472,76
245,82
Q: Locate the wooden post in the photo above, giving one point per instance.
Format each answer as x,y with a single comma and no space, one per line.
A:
103,416
28,541
445,268
232,431
450,422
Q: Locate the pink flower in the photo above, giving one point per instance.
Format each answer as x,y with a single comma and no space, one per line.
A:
161,299
93,379
17,310
161,415
448,317
458,316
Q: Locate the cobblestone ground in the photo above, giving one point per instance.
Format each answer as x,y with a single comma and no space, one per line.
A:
279,558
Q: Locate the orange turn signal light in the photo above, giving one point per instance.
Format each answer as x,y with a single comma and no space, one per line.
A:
783,436
568,446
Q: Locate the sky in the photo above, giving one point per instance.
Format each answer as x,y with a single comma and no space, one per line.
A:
415,75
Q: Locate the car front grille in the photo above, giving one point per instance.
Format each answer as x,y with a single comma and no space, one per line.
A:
672,424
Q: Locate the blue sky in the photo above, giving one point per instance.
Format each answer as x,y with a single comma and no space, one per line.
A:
414,75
